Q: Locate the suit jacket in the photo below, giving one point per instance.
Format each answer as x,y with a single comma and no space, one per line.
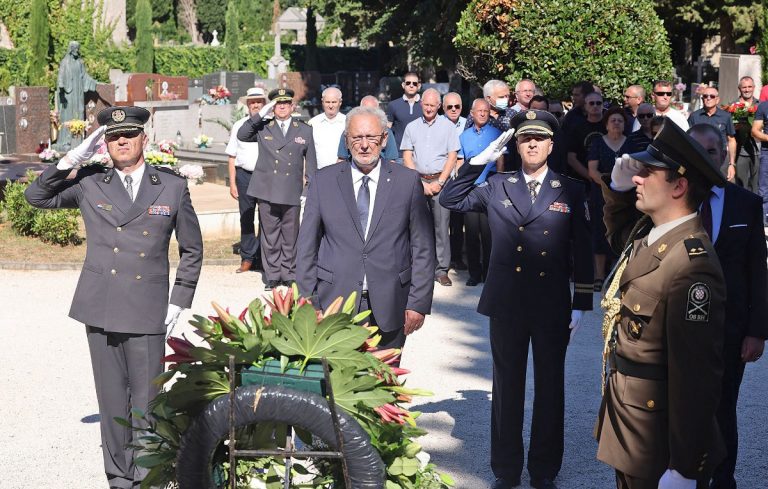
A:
397,258
532,246
672,317
123,286
284,161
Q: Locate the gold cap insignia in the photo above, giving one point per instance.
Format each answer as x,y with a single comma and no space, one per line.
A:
281,91
530,115
118,115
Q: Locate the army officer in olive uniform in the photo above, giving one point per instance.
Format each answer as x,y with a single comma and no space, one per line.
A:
286,162
122,295
539,227
657,423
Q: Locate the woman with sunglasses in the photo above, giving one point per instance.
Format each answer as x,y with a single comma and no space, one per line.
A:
602,156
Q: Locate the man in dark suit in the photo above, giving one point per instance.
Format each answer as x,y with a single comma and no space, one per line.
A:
539,226
130,213
735,226
286,162
367,229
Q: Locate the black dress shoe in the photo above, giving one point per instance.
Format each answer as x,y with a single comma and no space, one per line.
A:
471,282
543,483
459,265
502,483
271,284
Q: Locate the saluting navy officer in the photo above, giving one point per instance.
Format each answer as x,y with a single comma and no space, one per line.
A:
122,295
540,216
664,332
286,162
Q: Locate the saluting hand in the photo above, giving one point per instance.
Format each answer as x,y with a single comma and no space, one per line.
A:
494,150
413,321
267,109
623,171
83,151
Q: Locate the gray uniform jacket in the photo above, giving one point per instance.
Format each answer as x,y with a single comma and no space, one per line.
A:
283,160
123,286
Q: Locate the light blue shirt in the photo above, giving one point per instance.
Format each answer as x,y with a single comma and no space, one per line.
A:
717,202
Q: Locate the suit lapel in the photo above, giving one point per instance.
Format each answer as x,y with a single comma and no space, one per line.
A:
347,190
383,191
148,193
549,191
113,189
517,191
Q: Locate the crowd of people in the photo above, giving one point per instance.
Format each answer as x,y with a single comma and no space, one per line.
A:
657,211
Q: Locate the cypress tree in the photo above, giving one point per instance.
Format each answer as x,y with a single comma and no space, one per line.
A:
232,38
145,49
310,48
39,42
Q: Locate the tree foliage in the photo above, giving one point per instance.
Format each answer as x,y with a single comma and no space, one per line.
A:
145,55
210,15
613,43
39,43
232,39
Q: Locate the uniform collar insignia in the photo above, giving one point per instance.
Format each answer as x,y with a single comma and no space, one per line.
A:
154,179
108,177
506,203
555,183
272,123
662,247
512,179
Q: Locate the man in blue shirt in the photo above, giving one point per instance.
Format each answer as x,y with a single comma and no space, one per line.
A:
477,232
406,109
715,116
390,153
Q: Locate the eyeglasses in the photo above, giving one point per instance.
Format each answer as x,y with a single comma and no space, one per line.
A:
526,91
453,107
630,96
411,83
595,102
709,96
375,140
645,116
663,94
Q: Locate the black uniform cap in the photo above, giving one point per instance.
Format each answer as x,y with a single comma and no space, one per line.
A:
534,121
123,119
281,95
672,148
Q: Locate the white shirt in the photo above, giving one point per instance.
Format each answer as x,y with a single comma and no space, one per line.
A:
245,154
326,133
136,175
674,115
659,231
539,178
357,182
286,123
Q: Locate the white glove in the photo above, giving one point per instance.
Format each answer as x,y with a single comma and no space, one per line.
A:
576,316
171,318
267,109
83,152
494,150
623,171
673,480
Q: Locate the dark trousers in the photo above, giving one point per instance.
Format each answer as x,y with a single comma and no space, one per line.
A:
747,172
456,229
509,347
389,339
124,366
478,238
249,244
278,232
733,372
624,481
763,183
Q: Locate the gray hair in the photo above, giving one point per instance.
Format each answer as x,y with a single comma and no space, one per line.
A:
370,101
492,85
452,94
434,92
357,111
331,90
639,89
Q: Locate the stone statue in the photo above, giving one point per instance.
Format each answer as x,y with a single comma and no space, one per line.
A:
215,41
73,82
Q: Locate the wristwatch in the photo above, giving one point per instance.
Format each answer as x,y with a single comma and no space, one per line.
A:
441,182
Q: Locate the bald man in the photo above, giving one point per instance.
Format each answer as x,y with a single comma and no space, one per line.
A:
390,152
328,127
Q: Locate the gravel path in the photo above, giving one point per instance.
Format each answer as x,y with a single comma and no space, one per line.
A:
49,421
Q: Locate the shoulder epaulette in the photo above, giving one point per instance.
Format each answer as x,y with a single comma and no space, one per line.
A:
170,171
695,248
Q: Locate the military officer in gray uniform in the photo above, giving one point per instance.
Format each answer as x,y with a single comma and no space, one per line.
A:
129,212
285,164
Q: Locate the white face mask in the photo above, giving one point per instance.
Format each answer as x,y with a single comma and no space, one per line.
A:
502,103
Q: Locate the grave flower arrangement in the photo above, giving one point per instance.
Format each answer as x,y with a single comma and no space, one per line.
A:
217,96
77,127
49,155
203,141
167,146
193,173
156,157
286,329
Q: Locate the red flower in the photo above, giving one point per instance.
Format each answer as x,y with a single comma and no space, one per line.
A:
182,348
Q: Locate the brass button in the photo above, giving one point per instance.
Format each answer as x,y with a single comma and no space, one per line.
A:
276,161
119,228
519,248
287,174
116,250
142,254
541,274
701,469
546,232
650,404
636,308
521,228
113,272
289,163
543,253
145,233
278,151
138,277
275,171
518,269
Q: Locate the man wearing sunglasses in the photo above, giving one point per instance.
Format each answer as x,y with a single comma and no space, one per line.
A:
401,111
634,95
747,164
130,212
713,115
662,100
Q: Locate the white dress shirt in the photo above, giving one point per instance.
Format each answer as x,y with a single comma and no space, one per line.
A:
326,133
245,154
286,123
659,231
357,182
539,178
137,175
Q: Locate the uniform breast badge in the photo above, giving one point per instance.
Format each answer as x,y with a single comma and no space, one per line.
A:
560,207
506,203
300,140
160,210
699,298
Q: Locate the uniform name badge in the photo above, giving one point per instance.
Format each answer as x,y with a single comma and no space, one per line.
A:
699,298
560,207
160,210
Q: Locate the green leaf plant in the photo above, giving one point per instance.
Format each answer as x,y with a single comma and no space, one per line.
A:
287,329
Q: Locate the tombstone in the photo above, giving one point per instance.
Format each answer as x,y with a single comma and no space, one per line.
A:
733,67
147,87
215,41
95,102
237,82
120,80
7,125
277,64
33,119
195,89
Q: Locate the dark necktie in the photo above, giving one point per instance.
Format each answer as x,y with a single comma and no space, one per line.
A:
129,186
532,185
283,127
364,202
706,215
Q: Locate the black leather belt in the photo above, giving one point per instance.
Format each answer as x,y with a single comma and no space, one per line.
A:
631,368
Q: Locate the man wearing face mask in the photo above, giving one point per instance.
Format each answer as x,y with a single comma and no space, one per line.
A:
496,92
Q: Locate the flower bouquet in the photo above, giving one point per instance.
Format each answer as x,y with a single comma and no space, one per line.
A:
193,172
217,96
289,333
167,146
203,141
155,157
49,155
740,113
77,127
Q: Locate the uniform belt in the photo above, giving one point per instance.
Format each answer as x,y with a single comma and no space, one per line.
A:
430,176
648,371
